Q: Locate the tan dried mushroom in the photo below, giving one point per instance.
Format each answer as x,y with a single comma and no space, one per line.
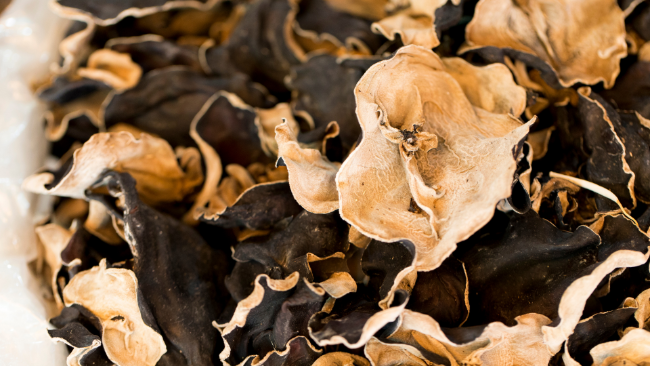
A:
632,349
113,68
150,160
582,40
415,24
111,295
437,152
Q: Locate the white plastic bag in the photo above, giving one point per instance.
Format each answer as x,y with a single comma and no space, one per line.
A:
29,35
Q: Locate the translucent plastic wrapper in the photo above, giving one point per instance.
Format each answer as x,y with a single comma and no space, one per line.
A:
29,35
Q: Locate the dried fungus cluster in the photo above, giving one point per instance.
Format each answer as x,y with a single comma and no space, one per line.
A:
350,182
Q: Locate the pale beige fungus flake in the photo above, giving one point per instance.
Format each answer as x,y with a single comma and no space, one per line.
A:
583,40
434,161
111,295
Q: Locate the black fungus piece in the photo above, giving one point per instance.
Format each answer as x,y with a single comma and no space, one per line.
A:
69,123
152,55
90,250
441,293
595,330
464,334
643,218
491,54
79,328
64,90
240,282
258,46
106,11
292,319
524,266
280,314
591,147
260,207
333,145
324,269
165,101
179,275
74,334
289,247
79,130
299,352
559,212
566,206
319,17
324,87
347,319
605,165
218,238
382,272
77,314
624,4
636,139
519,199
232,133
629,283
447,16
640,21
631,89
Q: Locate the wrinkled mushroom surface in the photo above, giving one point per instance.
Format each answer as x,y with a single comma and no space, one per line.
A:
583,41
348,182
430,172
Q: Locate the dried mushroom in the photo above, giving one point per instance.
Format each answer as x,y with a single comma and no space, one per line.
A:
582,41
414,24
111,294
303,166
75,108
261,45
633,348
341,359
152,52
310,244
109,13
184,292
388,354
151,160
113,68
526,272
629,92
421,173
73,324
54,239
252,331
443,293
354,319
323,87
155,107
593,331
258,208
320,26
349,183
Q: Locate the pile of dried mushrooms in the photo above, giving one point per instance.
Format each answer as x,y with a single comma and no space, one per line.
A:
349,182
